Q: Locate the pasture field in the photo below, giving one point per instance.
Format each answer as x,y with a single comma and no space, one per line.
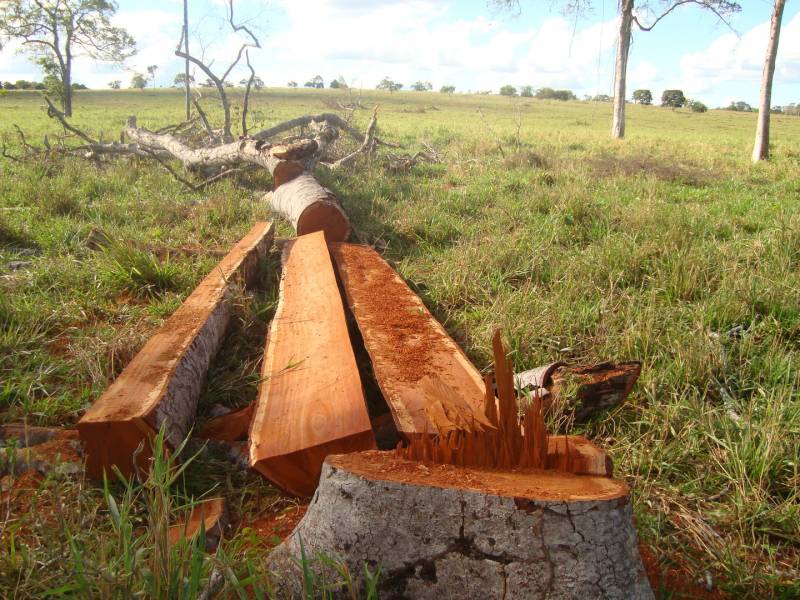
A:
670,248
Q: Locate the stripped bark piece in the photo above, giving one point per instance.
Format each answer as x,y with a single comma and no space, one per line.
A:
310,403
161,385
429,384
230,427
592,389
210,516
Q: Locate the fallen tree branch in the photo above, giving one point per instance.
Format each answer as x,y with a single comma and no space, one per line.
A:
367,146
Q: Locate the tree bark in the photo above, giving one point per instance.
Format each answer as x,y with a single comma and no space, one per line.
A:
440,531
310,207
620,73
186,60
161,385
761,146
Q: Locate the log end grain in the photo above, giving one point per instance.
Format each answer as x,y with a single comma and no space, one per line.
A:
324,216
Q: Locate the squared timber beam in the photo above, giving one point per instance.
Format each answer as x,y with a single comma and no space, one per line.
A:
162,384
429,384
311,402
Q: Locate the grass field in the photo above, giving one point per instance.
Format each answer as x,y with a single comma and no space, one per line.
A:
669,248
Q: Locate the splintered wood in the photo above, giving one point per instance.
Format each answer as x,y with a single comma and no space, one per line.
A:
510,442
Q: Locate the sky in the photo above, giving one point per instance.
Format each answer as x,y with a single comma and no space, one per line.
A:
466,43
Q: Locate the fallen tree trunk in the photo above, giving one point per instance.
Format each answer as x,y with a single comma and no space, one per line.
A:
436,530
161,385
309,207
296,194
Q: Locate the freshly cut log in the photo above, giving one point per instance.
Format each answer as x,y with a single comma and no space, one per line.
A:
310,207
161,385
441,531
429,384
310,403
230,427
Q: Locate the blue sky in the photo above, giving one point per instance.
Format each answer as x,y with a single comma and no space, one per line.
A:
463,43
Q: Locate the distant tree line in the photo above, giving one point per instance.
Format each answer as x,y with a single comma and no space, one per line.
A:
23,84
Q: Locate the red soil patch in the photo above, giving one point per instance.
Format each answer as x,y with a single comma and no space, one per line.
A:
674,582
277,524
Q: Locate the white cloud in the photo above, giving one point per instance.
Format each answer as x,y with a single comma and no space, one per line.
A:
741,59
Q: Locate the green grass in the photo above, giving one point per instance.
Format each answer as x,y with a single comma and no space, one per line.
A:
581,248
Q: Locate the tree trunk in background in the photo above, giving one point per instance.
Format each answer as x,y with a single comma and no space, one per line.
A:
620,73
761,147
186,51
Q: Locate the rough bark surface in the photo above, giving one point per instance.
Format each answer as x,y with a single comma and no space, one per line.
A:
621,68
438,542
761,146
161,385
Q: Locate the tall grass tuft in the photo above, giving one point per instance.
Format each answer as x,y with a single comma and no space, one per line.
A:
139,272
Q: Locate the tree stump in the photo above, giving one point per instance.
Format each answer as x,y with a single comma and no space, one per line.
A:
443,531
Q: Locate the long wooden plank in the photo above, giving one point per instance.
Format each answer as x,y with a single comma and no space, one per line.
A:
162,383
427,381
310,403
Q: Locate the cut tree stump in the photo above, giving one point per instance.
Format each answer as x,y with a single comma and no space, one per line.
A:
429,384
442,531
161,385
310,403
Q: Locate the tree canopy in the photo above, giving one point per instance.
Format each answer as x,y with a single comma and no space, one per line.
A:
56,32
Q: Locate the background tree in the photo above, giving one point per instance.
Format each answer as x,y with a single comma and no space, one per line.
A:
740,106
697,106
57,31
151,74
601,98
317,83
180,80
761,146
630,13
338,83
115,85
508,90
422,86
292,84
547,93
447,89
526,91
388,84
138,81
673,98
643,97
258,83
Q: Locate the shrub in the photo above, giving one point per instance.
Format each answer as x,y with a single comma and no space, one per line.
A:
698,106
